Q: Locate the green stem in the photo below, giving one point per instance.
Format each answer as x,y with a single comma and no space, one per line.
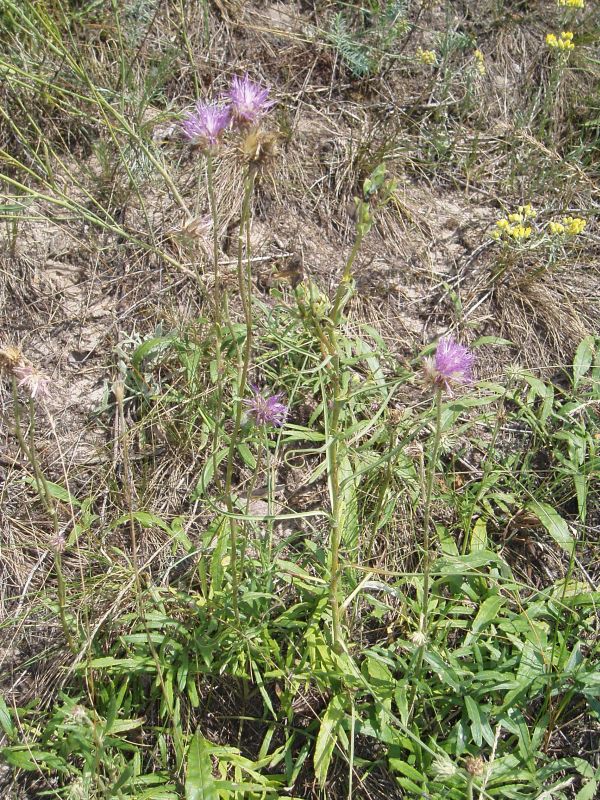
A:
336,508
340,294
427,511
333,449
30,453
217,310
243,283
431,468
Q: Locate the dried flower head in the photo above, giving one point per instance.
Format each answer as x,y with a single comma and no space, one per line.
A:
259,147
205,125
249,100
451,365
35,383
475,765
266,410
10,357
58,542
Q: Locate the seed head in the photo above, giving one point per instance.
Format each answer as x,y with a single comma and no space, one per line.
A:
451,365
475,765
249,100
443,768
419,639
266,410
206,123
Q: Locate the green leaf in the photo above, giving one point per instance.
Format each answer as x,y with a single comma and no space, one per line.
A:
199,781
327,737
5,719
145,518
587,792
554,524
479,535
584,355
406,769
55,491
488,612
208,472
446,673
246,454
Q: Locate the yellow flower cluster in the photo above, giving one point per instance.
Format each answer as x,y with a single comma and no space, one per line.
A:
562,42
479,62
514,225
428,57
570,226
572,3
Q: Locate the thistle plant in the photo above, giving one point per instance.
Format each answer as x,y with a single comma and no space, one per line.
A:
450,368
26,377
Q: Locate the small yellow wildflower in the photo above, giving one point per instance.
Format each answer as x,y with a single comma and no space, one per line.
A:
572,3
519,232
527,210
428,57
556,228
516,231
574,225
562,42
479,62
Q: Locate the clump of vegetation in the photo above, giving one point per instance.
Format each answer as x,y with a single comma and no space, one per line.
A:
279,521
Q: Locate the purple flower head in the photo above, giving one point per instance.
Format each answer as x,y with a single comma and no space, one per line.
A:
205,125
249,100
451,365
266,410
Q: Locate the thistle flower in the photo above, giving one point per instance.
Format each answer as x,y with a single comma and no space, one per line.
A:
205,125
451,365
266,410
249,100
36,384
